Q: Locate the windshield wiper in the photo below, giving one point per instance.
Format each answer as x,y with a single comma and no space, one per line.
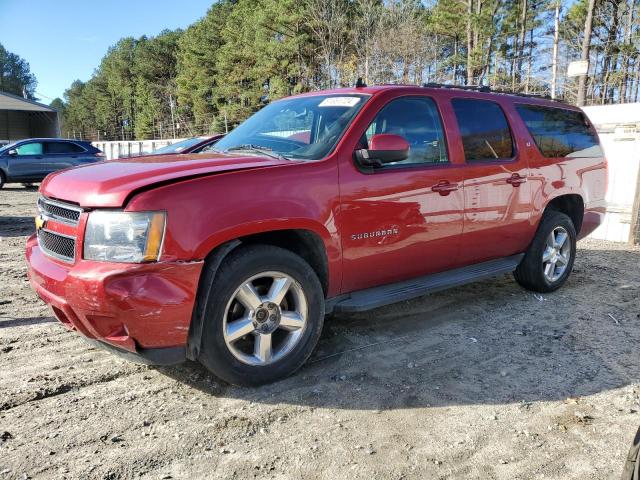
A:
256,148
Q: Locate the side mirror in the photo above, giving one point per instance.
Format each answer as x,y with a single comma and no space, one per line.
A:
384,148
12,152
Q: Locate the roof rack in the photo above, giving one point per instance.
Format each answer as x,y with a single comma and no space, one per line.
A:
486,89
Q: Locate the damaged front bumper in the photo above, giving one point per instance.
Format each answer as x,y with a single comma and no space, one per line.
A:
141,311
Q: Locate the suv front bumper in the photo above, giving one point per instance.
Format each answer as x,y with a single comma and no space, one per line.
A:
143,311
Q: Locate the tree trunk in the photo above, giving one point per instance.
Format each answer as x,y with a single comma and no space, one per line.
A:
610,56
528,78
605,87
625,62
523,37
469,43
486,68
637,82
554,65
435,59
586,47
512,65
455,59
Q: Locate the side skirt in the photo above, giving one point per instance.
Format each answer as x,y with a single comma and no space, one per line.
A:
375,297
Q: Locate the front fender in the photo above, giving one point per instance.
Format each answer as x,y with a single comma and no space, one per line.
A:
203,213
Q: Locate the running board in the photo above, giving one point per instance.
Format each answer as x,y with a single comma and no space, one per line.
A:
396,292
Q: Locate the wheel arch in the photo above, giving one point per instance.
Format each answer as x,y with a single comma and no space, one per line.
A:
571,204
303,242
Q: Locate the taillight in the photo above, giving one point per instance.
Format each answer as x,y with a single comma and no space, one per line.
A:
99,154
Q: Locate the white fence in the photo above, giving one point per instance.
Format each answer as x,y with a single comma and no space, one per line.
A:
114,150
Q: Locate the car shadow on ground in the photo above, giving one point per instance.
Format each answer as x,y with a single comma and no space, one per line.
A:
7,322
486,343
20,188
16,226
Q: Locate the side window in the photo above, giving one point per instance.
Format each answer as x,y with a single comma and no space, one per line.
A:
484,130
559,132
33,148
416,119
62,147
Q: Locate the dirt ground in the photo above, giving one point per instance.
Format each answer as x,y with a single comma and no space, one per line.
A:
486,381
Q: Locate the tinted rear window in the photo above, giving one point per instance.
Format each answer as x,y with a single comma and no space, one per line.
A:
559,132
62,147
484,129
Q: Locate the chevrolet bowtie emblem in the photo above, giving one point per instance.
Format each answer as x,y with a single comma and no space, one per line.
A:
40,222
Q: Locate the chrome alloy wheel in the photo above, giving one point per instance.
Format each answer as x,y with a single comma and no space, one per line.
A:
557,254
265,318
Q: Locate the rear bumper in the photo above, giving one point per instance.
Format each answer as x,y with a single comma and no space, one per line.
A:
141,310
593,218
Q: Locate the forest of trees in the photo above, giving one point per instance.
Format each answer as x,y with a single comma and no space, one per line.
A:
15,75
244,53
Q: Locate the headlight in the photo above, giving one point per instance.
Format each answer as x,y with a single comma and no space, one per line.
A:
124,237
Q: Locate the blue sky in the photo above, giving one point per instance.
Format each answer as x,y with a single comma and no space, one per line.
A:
64,40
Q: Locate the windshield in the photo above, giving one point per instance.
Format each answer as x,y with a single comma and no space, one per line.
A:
7,147
179,146
302,127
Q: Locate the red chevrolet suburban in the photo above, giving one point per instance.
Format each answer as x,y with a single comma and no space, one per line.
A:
340,200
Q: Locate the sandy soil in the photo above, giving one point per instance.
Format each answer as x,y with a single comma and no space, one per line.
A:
487,381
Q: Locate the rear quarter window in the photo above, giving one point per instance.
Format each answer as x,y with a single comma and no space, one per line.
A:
62,147
558,132
484,130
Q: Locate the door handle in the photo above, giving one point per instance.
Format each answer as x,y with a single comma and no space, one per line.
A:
516,180
444,187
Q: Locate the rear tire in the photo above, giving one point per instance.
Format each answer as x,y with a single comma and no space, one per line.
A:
28,186
3,179
549,260
263,317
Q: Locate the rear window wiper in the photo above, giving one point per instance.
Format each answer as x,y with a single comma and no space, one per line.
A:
256,148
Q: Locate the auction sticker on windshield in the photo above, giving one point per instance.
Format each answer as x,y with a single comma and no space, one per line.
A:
339,102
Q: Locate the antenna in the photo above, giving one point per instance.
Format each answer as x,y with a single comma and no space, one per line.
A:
360,83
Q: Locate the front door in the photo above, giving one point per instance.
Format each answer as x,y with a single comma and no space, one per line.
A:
28,163
401,220
497,196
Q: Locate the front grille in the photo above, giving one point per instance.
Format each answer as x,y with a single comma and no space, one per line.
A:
62,212
57,245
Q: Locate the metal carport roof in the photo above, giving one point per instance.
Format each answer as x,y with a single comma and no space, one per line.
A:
22,118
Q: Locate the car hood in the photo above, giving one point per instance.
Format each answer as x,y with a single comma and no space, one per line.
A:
110,183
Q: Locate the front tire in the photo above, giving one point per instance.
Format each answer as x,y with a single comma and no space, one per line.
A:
549,260
3,179
263,317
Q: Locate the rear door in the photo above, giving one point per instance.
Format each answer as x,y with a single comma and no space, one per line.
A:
61,154
497,195
401,220
28,163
